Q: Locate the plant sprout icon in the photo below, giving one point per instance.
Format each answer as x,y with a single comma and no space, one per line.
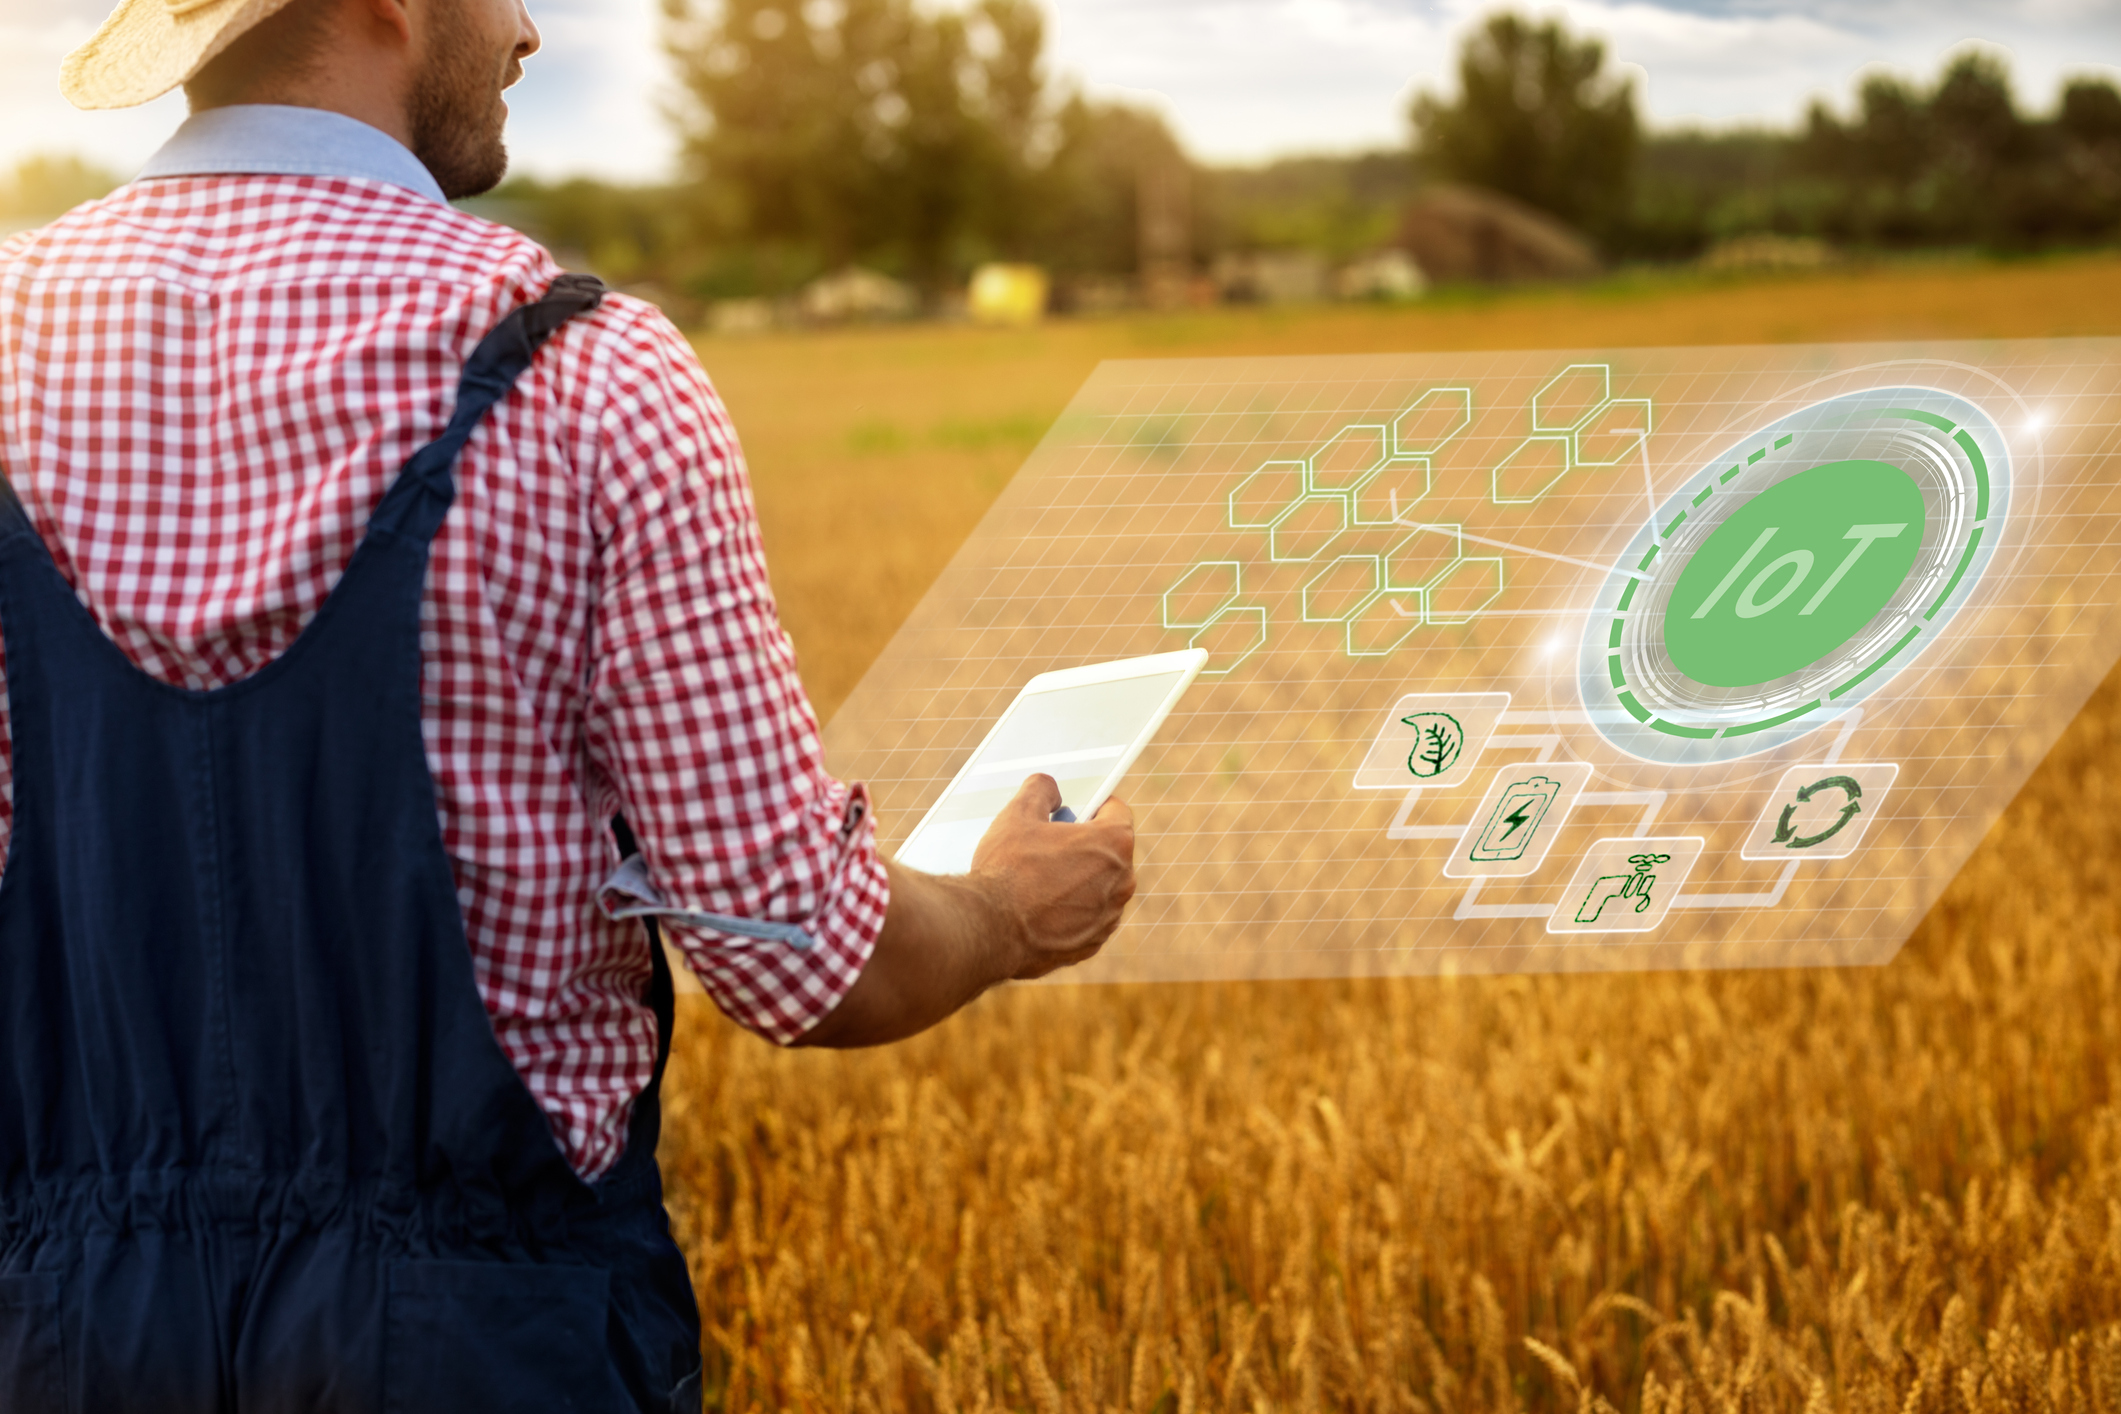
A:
1634,886
1437,741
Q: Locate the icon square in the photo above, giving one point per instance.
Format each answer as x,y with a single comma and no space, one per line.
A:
1519,819
1626,885
1820,812
1430,740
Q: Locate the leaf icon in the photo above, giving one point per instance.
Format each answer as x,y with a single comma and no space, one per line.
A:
1438,740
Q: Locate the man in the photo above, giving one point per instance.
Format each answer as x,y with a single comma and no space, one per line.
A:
328,1058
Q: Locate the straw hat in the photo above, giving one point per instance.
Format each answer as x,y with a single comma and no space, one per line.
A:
148,47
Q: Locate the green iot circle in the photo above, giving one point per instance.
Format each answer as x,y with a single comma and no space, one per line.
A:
1795,573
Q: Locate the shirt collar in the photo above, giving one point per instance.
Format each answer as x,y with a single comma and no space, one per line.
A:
303,142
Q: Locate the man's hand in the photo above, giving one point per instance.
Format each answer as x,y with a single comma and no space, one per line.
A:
1060,886
1041,896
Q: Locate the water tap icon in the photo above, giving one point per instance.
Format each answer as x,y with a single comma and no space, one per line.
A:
1634,886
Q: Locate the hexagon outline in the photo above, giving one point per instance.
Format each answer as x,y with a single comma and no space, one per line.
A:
1428,601
1258,643
1277,557
1649,417
1385,441
1303,481
1377,584
1465,420
1413,623
1605,374
1456,532
1237,588
1568,464
1428,484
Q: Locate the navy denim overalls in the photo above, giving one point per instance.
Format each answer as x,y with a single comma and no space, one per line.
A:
259,1148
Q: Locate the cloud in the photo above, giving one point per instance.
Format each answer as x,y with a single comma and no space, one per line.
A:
2045,41
1695,67
590,101
34,36
1245,79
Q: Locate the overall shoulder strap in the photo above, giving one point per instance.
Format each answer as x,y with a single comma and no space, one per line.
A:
418,501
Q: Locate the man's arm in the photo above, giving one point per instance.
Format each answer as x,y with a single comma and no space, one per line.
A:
701,736
1041,896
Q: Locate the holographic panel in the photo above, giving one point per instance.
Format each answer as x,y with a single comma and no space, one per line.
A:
1647,658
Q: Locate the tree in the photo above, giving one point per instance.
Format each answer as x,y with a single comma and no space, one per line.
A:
1539,118
47,185
1343,207
1959,164
1085,208
783,120
872,130
2088,160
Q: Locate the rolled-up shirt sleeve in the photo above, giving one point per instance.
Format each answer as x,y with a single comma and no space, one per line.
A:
764,867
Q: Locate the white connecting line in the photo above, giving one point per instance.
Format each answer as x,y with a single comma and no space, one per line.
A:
1649,483
1649,479
1514,549
1773,897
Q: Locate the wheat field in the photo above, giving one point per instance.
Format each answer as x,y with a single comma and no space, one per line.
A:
1870,1190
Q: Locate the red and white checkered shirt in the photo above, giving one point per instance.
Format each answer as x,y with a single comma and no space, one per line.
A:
207,383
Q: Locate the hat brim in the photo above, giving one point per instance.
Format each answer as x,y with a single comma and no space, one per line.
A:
144,49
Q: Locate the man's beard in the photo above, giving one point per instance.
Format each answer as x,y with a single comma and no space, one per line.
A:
456,110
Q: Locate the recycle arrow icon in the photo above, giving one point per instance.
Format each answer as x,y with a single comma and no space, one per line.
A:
1785,831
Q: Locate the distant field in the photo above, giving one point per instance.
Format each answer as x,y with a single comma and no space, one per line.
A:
1892,1190
875,451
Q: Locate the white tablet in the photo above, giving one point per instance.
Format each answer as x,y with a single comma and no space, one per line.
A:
1081,726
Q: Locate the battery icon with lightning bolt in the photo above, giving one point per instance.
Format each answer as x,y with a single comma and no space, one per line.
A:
1516,818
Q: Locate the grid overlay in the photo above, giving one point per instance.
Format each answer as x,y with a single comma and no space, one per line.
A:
1258,856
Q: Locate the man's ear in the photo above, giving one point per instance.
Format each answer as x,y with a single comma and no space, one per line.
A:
395,16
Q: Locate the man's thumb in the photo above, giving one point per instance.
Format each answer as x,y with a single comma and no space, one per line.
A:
1038,798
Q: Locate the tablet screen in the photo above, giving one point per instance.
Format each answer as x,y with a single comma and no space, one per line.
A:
1077,735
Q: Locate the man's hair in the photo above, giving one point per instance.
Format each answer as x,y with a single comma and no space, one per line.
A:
291,43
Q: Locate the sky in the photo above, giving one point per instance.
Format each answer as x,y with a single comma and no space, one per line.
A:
1241,80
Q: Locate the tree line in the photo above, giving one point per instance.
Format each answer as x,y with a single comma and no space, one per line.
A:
1541,116
921,141
45,184
915,140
